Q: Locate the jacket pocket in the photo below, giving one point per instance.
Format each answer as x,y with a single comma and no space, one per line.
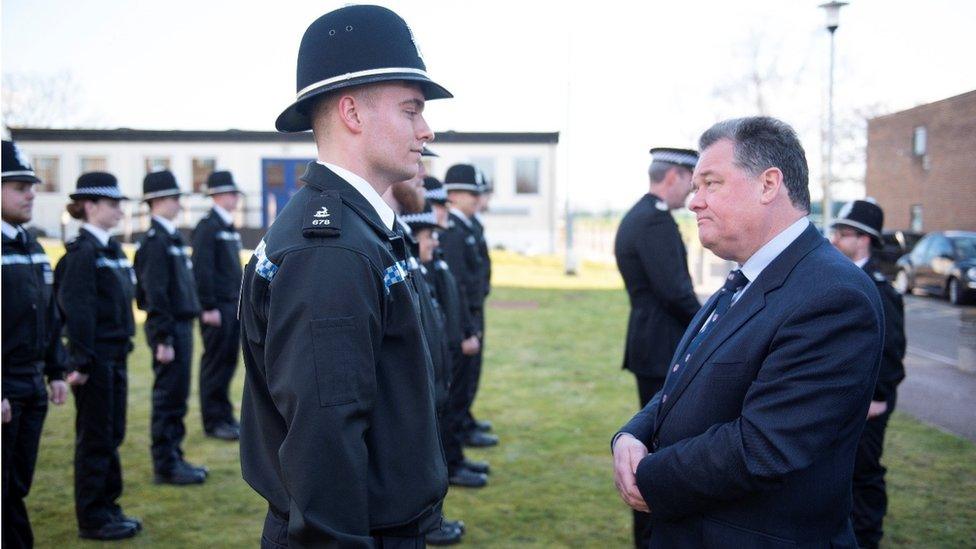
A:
719,534
337,372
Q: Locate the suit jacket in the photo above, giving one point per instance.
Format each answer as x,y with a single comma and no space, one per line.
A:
753,444
654,265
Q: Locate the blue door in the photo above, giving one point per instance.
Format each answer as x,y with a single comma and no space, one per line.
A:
279,181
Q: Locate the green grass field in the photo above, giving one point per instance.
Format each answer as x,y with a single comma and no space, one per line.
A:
554,389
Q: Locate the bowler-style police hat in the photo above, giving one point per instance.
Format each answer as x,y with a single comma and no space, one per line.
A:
434,190
221,182
463,177
863,215
159,185
15,165
352,46
680,157
97,185
423,220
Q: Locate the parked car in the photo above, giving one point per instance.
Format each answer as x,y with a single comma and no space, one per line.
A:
943,264
894,245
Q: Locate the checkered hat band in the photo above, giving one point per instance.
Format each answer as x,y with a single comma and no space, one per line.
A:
675,158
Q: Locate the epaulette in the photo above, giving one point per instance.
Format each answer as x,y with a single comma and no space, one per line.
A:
323,215
72,244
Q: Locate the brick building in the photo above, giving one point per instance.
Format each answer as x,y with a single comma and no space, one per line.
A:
921,165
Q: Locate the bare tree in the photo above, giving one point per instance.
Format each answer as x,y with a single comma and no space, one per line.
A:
42,100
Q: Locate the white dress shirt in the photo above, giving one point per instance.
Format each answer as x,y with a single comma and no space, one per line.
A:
756,264
369,193
224,214
99,233
460,214
9,230
166,223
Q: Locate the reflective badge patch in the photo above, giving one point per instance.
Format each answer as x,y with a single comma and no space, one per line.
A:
48,273
322,215
264,267
394,273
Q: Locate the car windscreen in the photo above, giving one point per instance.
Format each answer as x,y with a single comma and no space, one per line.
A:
965,247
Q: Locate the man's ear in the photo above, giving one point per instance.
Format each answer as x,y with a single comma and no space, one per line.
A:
349,108
772,182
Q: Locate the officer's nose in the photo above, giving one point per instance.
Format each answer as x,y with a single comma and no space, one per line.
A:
424,133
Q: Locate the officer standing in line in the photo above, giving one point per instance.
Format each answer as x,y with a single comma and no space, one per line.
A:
95,286
463,183
473,425
437,198
167,292
653,262
857,227
31,346
338,423
217,269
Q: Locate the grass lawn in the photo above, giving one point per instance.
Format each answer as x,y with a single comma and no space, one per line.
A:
554,389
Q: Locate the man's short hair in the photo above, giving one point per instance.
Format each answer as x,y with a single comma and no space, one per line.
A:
659,170
763,142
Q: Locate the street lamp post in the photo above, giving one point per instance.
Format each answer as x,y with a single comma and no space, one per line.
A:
832,10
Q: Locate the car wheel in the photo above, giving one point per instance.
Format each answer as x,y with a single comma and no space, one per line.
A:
902,284
955,292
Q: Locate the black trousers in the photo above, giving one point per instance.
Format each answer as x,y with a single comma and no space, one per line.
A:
99,432
452,435
472,375
647,387
275,536
21,438
870,495
171,389
221,346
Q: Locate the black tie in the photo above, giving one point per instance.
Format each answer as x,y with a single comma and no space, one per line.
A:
733,283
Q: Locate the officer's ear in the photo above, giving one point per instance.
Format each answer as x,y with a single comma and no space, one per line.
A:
771,181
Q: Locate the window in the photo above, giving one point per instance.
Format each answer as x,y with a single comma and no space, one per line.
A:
94,164
156,163
941,247
274,174
48,170
919,141
526,175
915,217
202,168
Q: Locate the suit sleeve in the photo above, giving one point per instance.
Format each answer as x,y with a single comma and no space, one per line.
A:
818,376
320,353
892,368
77,294
155,277
203,264
641,426
660,255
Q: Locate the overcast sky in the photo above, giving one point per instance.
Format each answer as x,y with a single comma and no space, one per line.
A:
616,78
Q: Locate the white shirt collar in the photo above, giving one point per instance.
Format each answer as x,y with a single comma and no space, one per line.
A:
460,214
224,214
771,250
99,233
166,223
10,231
369,193
862,262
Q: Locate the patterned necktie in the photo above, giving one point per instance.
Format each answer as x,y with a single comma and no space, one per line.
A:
735,282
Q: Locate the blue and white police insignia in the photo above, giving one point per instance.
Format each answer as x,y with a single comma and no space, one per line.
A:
394,274
263,266
470,241
661,205
879,276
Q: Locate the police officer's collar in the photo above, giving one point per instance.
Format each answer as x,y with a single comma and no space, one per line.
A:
100,234
224,215
9,230
369,193
863,261
166,224
460,215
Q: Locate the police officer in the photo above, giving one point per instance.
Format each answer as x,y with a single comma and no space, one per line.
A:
858,227
653,262
217,269
460,242
167,292
473,425
31,346
437,198
95,286
338,423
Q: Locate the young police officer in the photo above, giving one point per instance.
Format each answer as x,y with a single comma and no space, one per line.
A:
167,292
95,286
338,426
217,268
856,228
31,346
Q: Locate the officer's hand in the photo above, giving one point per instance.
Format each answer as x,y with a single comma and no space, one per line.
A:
627,455
211,318
77,379
165,353
877,408
7,413
471,346
59,391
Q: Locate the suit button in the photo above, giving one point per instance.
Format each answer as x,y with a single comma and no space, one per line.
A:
664,399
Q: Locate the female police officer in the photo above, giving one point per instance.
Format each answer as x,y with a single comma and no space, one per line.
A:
96,284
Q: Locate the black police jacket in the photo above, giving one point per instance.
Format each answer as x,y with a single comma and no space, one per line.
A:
457,317
216,261
460,245
654,265
338,422
31,323
165,287
892,370
483,252
95,286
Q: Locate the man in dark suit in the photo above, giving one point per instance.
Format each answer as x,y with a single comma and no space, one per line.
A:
856,228
654,265
751,441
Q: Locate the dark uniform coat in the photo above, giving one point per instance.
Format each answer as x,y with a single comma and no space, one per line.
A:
166,288
339,428
892,370
752,440
216,262
461,251
653,263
